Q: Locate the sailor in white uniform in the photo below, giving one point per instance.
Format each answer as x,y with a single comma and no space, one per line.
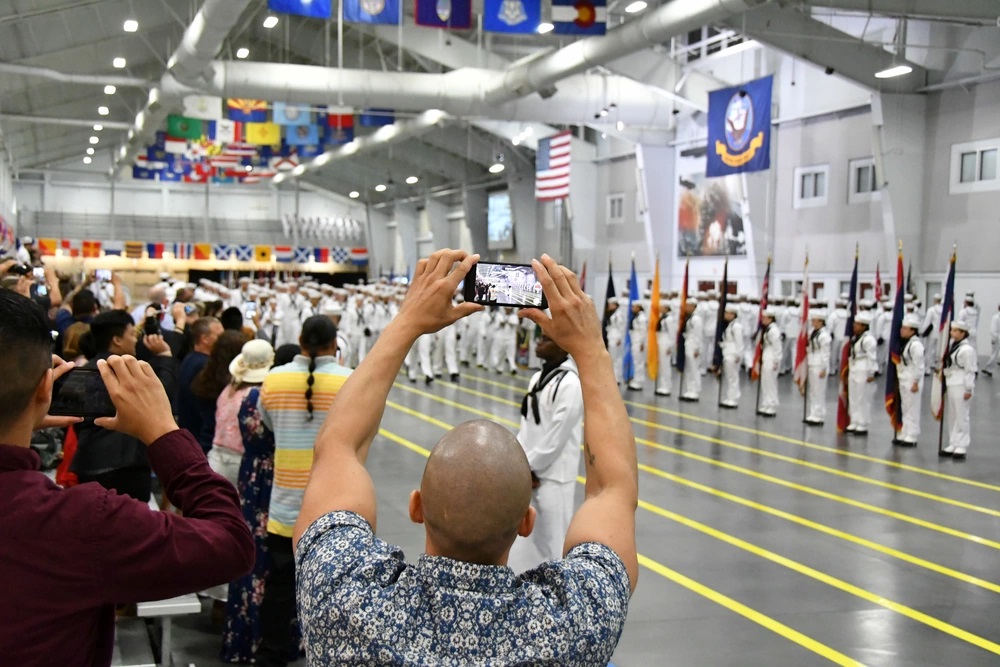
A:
666,339
732,357
818,366
770,361
960,382
862,365
693,339
910,373
994,343
638,334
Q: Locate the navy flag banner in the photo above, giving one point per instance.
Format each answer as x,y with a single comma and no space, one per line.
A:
739,128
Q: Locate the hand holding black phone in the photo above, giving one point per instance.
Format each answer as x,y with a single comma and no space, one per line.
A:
81,393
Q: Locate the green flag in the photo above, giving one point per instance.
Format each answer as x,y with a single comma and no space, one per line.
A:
182,127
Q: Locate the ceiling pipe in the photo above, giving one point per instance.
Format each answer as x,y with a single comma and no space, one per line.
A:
657,26
74,122
63,77
458,92
973,80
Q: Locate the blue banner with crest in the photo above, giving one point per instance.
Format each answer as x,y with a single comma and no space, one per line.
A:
739,128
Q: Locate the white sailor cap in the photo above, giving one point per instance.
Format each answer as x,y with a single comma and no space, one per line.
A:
863,318
731,308
866,303
961,325
911,321
244,280
332,308
817,314
769,312
691,301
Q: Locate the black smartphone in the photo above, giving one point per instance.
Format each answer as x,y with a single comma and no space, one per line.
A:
104,275
81,393
151,326
515,285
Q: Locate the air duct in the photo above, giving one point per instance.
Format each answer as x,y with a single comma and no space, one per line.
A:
63,77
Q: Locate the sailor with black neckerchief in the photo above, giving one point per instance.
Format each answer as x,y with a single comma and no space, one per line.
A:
960,367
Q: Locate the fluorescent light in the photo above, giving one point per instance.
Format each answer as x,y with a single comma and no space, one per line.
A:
98,127
516,141
119,63
545,27
410,180
896,70
637,6
131,25
110,90
87,160
620,126
380,187
103,111
242,52
602,113
299,170
94,140
354,194
249,167
270,21
496,168
90,150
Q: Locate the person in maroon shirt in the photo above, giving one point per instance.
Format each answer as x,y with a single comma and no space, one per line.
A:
69,555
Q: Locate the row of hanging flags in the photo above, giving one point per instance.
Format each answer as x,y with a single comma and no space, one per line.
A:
246,140
204,251
568,17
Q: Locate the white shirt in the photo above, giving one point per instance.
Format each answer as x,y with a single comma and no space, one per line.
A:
732,340
863,361
911,362
771,342
818,349
961,372
553,445
693,331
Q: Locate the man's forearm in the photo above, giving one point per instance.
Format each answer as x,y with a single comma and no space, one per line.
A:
357,411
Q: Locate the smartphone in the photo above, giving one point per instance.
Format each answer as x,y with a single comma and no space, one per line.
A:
151,326
104,275
39,274
81,393
516,285
249,309
190,309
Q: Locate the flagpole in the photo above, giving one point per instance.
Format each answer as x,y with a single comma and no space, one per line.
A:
947,349
722,299
760,330
806,322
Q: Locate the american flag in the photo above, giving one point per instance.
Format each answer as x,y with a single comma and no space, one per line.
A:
552,167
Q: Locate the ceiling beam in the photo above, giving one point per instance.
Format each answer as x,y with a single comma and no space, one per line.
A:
986,12
100,46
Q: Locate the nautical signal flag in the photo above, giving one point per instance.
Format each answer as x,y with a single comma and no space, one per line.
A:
292,114
223,251
114,248
245,253
70,247
182,251
303,254
283,253
321,254
371,11
316,9
203,251
263,134
515,16
579,17
451,14
183,127
359,256
246,110
154,250
91,249
48,247
262,253
133,249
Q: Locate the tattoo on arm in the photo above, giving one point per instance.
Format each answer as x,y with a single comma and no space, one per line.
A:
590,457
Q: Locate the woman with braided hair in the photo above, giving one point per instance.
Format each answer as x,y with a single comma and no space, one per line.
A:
293,402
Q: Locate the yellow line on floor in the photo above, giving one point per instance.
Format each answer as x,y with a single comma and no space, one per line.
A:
781,438
788,516
906,518
725,601
778,457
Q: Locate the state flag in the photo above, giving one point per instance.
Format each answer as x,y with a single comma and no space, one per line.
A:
371,11
303,255
283,162
283,254
144,173
226,131
321,255
203,251
263,134
114,248
339,117
338,136
262,253
246,110
579,17
183,127
316,9
91,249
291,114
204,107
175,145
450,14
302,135
133,249
223,251
512,16
376,117
244,253
47,247
155,250
359,256
70,247
182,250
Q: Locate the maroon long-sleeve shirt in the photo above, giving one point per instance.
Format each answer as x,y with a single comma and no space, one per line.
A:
67,556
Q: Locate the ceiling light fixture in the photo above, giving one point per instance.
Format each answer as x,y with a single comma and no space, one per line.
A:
635,7
497,168
119,63
90,150
410,180
98,127
110,90
103,111
620,126
242,52
131,25
894,71
602,113
545,27
354,194
94,140
270,22
380,187
87,160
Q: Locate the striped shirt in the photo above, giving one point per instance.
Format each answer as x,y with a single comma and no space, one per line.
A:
283,410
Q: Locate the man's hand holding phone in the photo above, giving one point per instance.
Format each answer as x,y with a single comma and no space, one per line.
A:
574,325
143,408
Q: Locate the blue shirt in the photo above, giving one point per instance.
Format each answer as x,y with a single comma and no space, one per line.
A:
360,603
195,414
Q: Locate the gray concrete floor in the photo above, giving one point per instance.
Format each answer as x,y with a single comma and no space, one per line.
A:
763,541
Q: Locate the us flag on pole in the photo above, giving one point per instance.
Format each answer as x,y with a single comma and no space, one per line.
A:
552,167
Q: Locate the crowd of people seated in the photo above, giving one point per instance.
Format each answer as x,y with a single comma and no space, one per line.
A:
257,430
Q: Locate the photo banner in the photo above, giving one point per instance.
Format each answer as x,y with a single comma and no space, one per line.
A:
739,128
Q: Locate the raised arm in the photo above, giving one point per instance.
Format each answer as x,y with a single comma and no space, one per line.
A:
607,515
339,480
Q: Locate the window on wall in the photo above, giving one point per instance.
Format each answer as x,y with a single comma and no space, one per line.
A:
862,181
974,167
811,186
616,208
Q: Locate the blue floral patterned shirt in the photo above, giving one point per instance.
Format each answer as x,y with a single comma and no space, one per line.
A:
360,603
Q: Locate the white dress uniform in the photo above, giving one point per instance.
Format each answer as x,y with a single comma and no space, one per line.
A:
932,319
448,339
551,433
818,366
504,342
994,344
748,318
291,308
639,334
691,377
790,327
770,360
732,357
910,372
709,316
959,379
861,366
423,361
836,324
484,337
969,313
666,339
616,341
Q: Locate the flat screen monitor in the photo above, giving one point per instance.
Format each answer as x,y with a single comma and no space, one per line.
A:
500,221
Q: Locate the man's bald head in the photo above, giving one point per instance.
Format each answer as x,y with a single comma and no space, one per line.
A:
476,492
